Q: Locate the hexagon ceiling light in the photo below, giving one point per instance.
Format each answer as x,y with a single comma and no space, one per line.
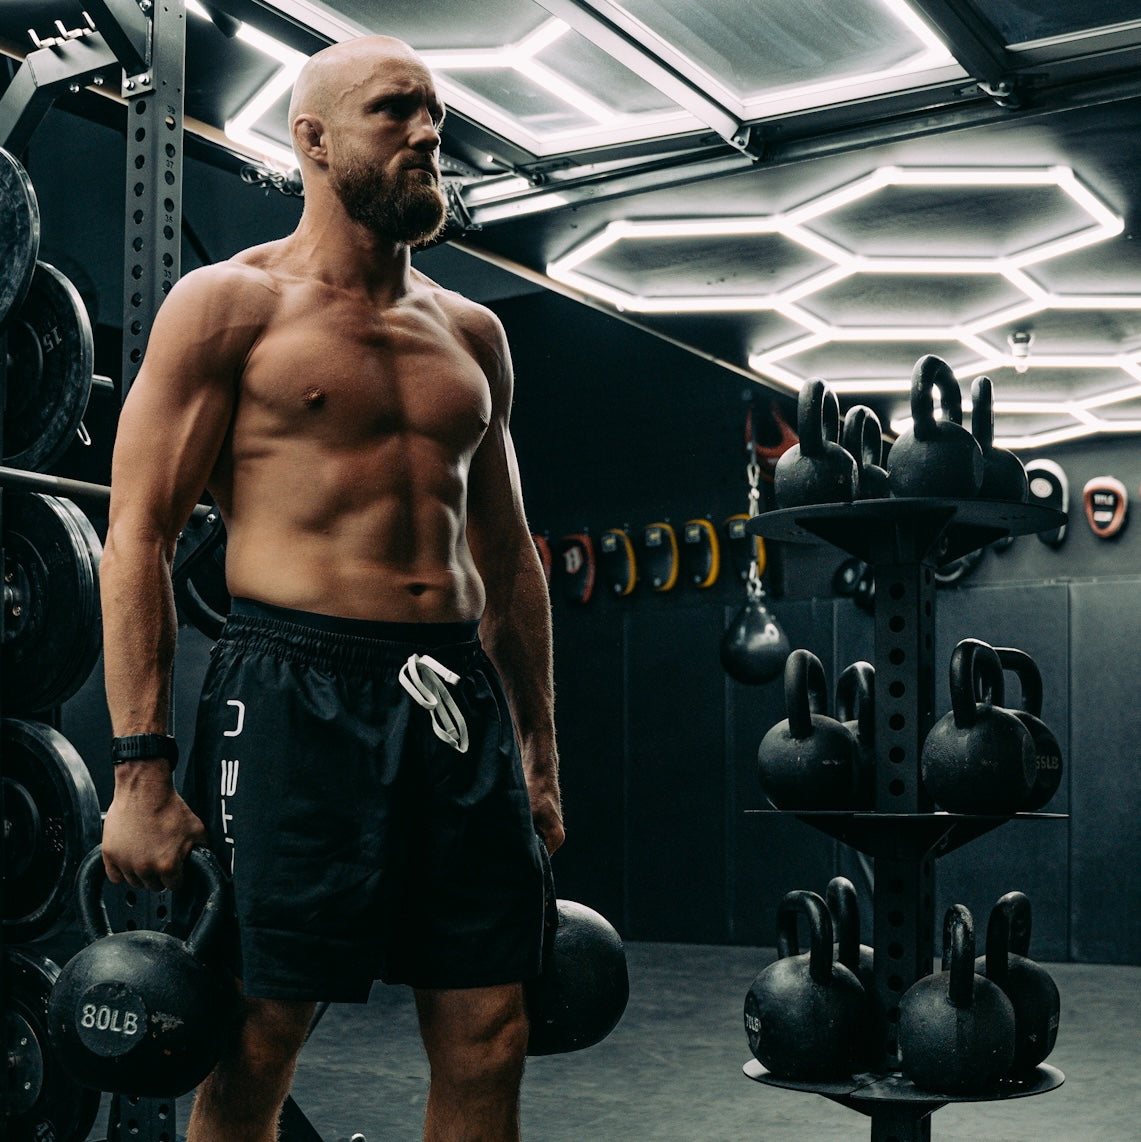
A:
830,263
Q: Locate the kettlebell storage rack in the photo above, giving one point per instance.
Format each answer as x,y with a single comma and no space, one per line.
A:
905,540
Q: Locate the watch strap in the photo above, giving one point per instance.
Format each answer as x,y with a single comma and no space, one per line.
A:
144,747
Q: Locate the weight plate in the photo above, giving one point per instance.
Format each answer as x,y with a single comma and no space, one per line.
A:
19,234
51,357
43,847
53,630
199,574
43,1103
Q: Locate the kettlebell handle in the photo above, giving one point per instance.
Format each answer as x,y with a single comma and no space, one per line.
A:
842,904
805,692
863,436
932,373
93,910
975,669
1015,906
817,417
1025,669
801,902
959,955
982,413
855,697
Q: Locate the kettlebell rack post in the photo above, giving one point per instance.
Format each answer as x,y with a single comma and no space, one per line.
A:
904,539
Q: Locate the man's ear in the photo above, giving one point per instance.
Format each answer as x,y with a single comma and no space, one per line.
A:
309,138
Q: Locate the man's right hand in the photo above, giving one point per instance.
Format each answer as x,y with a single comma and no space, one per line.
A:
149,829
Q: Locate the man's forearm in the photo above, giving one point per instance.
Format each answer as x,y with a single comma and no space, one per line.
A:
516,633
139,632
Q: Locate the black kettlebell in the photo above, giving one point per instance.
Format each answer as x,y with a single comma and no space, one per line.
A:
807,1017
844,908
142,1013
935,457
583,989
1004,477
956,1028
1047,751
862,439
978,758
809,760
855,709
1032,992
817,470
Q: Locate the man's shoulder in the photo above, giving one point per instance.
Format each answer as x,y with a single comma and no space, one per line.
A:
469,317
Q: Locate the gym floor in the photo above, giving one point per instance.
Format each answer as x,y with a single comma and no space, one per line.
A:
671,1071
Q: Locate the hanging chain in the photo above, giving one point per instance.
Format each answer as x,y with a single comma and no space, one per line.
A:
753,588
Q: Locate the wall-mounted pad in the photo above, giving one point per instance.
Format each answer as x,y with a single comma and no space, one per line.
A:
659,543
1049,488
1107,506
617,561
576,553
700,553
743,546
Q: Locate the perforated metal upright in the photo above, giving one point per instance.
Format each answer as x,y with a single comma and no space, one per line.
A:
151,265
153,230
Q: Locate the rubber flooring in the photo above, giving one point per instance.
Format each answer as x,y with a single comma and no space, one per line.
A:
671,1071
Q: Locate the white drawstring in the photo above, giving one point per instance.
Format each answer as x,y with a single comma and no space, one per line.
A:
430,690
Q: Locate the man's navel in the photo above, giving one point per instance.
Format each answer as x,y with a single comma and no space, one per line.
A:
314,397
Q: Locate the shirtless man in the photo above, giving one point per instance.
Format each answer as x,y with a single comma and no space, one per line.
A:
382,796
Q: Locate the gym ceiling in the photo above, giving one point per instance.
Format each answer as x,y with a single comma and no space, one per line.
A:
790,187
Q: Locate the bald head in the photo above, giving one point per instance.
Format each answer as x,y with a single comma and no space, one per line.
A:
331,74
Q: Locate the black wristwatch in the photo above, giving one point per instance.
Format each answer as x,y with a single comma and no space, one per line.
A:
144,747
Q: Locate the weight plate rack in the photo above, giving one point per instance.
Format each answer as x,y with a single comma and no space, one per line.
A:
904,540
47,801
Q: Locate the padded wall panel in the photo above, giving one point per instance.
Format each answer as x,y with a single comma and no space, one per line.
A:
1030,856
770,853
590,697
1105,786
675,835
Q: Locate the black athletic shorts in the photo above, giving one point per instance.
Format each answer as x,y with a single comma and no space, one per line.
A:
362,843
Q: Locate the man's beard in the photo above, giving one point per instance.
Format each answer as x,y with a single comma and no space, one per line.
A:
404,208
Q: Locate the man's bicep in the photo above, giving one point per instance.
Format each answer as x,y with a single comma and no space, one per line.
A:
176,416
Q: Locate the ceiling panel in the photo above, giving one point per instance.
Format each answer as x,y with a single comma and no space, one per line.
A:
755,49
1019,22
792,188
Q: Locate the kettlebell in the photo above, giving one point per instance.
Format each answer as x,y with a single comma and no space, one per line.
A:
582,991
807,1017
844,908
978,758
862,439
956,1028
1047,751
935,457
1004,477
1032,992
754,647
855,709
809,760
142,1013
817,470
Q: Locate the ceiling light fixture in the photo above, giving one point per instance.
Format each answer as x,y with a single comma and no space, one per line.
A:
241,126
839,263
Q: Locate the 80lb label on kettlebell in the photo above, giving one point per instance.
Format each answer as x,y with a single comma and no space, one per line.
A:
110,1019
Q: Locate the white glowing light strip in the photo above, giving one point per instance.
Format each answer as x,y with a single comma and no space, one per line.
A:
1114,397
240,127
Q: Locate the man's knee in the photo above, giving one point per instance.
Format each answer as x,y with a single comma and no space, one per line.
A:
474,1037
270,1035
